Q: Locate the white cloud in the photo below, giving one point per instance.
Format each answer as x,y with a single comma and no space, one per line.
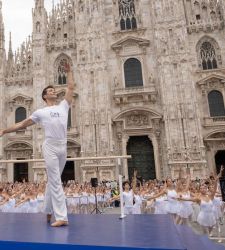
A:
17,16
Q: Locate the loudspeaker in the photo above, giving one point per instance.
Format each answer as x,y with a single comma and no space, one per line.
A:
222,186
94,182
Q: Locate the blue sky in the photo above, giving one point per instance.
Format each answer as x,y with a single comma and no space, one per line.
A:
17,15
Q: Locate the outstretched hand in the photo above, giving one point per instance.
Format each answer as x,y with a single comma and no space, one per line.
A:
220,173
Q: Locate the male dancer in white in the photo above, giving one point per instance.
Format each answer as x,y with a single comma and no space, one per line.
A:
54,120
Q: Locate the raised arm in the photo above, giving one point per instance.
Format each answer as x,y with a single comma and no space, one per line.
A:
5,199
70,83
134,181
20,125
188,182
21,202
216,181
163,192
190,199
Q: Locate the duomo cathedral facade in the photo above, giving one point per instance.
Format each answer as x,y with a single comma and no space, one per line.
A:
150,83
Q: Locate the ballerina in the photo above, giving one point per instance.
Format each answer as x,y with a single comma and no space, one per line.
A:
128,195
206,217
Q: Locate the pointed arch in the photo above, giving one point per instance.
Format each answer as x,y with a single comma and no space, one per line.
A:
127,15
60,77
208,53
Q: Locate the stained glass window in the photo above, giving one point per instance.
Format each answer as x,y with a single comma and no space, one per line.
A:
62,76
127,15
208,56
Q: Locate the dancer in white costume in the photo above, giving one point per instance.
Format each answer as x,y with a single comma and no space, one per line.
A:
206,217
137,201
170,192
53,118
128,195
185,209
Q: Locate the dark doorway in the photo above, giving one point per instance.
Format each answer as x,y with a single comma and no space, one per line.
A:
68,172
219,159
20,172
141,150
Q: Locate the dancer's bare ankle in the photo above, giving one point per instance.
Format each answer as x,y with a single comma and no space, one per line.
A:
60,223
49,216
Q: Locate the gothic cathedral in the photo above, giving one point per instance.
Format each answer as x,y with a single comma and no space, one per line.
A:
150,83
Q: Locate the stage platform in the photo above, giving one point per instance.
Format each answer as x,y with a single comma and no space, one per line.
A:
104,232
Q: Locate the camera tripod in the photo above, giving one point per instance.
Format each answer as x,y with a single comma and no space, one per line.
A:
96,210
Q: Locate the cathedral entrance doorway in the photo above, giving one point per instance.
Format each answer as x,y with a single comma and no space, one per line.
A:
20,172
219,159
68,172
142,152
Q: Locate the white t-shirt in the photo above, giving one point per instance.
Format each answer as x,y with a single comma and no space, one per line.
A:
128,198
53,119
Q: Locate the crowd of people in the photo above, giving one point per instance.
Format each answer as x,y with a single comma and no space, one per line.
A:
198,200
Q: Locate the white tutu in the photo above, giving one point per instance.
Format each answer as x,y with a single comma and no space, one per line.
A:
32,206
206,216
172,203
196,211
40,199
128,210
23,208
84,199
217,207
76,200
160,205
185,209
9,206
137,204
91,199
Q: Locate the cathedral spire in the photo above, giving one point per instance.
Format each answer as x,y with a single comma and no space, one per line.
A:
10,52
2,30
39,4
1,18
39,17
10,57
53,5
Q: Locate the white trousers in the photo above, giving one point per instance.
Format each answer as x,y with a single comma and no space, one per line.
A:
128,210
54,152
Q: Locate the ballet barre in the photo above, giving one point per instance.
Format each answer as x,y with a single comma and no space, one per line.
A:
70,159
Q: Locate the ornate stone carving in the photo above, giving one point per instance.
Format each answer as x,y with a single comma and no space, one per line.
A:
18,150
137,120
116,82
131,43
20,100
220,135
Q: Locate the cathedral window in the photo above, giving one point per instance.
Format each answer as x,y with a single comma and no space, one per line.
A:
61,74
127,15
216,103
38,27
209,54
198,17
21,114
133,73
